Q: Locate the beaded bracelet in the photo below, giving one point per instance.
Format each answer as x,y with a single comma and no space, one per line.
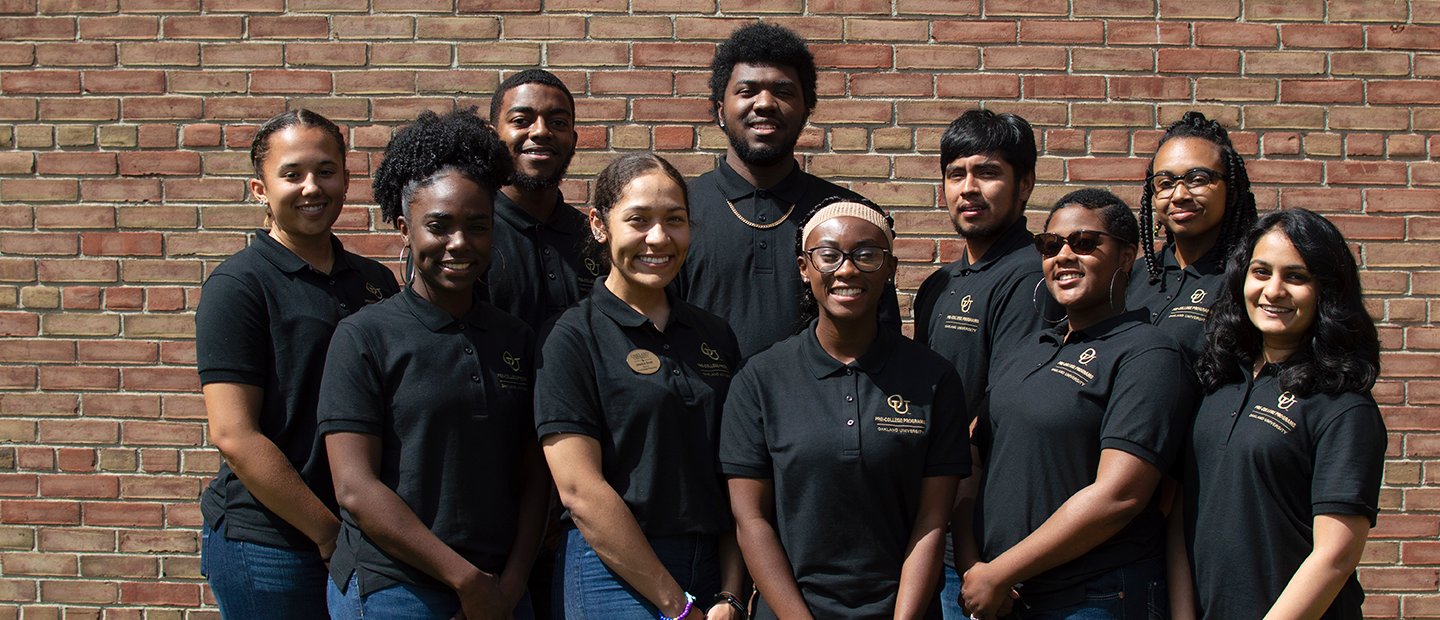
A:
733,601
689,604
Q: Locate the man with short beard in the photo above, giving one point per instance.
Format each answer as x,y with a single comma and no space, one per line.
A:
741,264
539,263
975,308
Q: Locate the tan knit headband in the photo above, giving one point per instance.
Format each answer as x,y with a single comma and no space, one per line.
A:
850,209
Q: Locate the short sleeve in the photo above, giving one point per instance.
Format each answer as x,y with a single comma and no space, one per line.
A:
1349,463
1018,315
949,451
352,398
1151,400
232,333
567,399
925,304
743,449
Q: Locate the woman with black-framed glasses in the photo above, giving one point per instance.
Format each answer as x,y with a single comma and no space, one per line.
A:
1197,190
843,444
1075,438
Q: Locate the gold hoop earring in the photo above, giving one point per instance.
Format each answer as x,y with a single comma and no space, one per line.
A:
1035,303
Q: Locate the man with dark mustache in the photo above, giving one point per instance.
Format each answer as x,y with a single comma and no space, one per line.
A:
741,264
539,262
974,308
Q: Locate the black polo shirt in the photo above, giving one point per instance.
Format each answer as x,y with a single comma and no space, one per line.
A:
652,399
450,400
1262,464
537,269
971,312
265,319
1182,308
747,275
846,446
1055,403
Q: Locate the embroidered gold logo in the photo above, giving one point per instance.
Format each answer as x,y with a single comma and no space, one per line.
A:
511,361
592,266
1287,400
709,352
899,404
1087,357
1198,296
374,290
966,303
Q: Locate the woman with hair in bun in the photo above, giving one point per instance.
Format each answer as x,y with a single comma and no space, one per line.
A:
1076,438
1287,449
261,331
1198,191
627,407
844,444
427,400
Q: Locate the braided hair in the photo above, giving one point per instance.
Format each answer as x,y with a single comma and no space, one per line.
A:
809,307
1239,200
459,141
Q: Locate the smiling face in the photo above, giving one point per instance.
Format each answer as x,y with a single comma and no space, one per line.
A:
1280,293
847,293
303,183
1190,213
983,195
448,230
537,125
1090,286
647,233
763,113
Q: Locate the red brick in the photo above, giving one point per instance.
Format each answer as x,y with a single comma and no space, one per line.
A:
1030,57
40,82
1424,92
975,32
1235,35
39,512
853,56
140,82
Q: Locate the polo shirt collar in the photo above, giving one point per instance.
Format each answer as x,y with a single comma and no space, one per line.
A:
516,215
437,320
1212,263
1115,325
625,316
1015,238
872,362
735,187
287,261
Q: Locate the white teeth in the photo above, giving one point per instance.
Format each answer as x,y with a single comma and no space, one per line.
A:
653,260
846,291
456,265
1275,309
1066,277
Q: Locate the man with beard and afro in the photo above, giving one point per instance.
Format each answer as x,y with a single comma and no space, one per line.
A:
540,260
741,264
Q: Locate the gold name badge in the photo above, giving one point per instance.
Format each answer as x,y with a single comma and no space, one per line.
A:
643,362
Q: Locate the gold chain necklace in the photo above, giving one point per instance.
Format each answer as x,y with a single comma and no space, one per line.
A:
751,224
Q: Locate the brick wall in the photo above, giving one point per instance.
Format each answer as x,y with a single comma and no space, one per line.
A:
124,126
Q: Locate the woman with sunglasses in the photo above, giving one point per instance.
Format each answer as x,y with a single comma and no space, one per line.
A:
1288,446
1076,436
1197,189
844,443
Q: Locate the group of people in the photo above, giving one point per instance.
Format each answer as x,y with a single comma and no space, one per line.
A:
694,400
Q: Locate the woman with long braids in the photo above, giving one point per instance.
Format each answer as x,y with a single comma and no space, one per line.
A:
1288,447
426,402
844,443
1076,438
1196,188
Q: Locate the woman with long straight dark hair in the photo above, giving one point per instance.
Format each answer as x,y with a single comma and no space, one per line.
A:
1288,446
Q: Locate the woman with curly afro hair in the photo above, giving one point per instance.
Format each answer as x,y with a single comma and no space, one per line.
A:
1197,190
427,399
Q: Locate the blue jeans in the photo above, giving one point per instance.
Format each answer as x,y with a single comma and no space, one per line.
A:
950,595
401,601
251,580
591,591
1134,592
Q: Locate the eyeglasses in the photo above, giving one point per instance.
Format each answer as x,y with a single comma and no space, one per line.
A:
1197,180
829,260
1082,242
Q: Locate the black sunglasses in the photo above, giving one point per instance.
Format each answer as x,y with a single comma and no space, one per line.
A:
1082,242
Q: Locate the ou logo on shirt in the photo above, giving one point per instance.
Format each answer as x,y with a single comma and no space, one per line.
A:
709,352
1286,400
1087,357
1198,296
899,404
966,303
511,361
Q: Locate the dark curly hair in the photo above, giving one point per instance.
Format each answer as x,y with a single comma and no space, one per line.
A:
303,117
1342,353
459,141
983,131
1239,200
1119,220
809,308
528,76
610,187
767,45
